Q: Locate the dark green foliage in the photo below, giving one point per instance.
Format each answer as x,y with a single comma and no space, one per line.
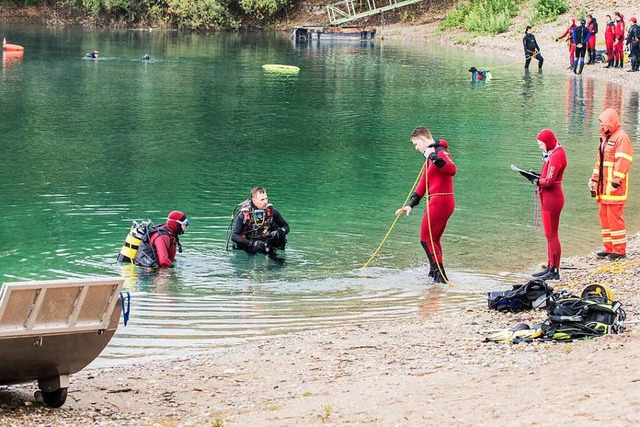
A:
482,16
548,10
182,14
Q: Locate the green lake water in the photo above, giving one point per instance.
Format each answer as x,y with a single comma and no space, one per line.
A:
86,146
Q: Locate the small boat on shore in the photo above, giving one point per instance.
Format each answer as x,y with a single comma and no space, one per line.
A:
312,32
52,329
7,47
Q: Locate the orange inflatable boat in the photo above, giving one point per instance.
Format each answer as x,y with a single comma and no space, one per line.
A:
11,47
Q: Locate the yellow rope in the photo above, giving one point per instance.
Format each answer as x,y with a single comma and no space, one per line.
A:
517,62
386,236
393,224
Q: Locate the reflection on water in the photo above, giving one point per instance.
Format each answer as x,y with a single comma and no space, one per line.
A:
11,59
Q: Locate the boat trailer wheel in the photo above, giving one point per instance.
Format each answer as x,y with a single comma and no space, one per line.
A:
54,399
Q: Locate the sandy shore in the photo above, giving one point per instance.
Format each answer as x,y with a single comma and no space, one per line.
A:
425,369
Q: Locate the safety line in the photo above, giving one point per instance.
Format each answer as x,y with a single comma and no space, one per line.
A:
386,236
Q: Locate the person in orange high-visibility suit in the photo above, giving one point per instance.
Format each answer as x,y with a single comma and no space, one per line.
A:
609,184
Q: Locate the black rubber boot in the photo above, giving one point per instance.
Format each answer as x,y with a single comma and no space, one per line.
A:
581,67
575,67
432,264
616,257
602,254
609,62
441,275
552,274
540,273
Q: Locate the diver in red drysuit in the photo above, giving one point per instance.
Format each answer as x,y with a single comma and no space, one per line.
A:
437,184
551,200
165,241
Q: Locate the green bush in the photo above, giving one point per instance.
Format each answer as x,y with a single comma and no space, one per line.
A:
548,10
204,14
482,16
263,7
183,14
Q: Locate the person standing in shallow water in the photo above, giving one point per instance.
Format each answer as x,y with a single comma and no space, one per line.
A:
581,36
436,182
549,189
531,49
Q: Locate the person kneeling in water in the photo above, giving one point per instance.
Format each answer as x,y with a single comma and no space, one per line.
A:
479,75
259,227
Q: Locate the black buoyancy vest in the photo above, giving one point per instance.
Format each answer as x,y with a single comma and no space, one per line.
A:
147,256
581,34
530,42
634,33
256,228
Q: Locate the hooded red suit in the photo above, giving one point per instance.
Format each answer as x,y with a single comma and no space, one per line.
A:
551,194
165,244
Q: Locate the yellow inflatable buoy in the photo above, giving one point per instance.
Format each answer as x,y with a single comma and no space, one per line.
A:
279,68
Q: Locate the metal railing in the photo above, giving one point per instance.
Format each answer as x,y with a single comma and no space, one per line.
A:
350,10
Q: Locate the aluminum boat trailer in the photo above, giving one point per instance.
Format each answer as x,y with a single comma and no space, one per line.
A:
52,329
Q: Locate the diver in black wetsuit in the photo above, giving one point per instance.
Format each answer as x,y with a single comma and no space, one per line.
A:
531,49
145,57
259,227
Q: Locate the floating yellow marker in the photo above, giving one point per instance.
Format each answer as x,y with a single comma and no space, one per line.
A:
279,68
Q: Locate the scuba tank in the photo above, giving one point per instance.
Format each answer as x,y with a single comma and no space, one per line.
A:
132,242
